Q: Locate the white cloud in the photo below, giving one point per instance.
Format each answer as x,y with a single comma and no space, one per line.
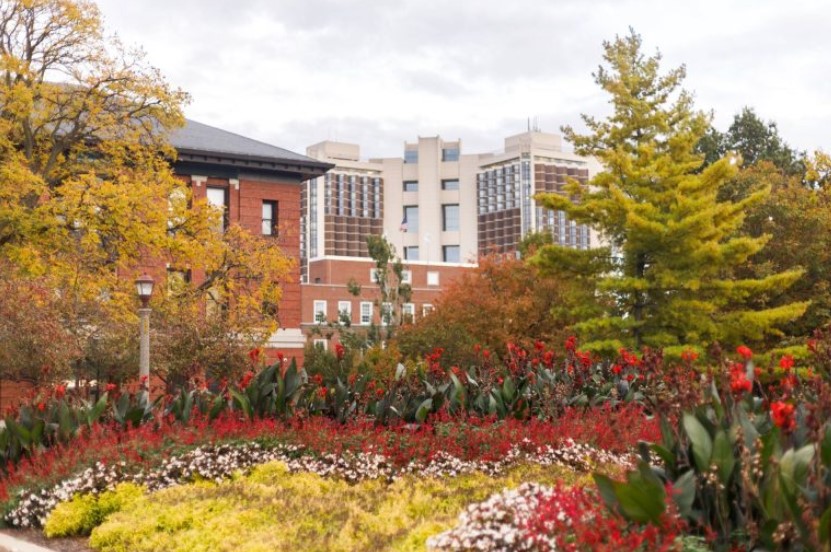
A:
293,72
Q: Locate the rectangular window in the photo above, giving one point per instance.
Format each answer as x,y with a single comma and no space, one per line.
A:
411,156
450,154
410,252
432,278
322,344
411,185
269,218
410,222
407,277
366,313
451,253
450,217
177,281
408,313
320,311
345,311
386,314
218,198
426,309
374,276
450,185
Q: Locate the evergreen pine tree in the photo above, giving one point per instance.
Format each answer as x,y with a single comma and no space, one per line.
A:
674,245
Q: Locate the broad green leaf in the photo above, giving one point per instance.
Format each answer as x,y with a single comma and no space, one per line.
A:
607,491
723,456
825,447
702,444
684,492
423,410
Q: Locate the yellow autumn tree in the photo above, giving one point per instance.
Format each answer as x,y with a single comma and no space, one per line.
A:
87,192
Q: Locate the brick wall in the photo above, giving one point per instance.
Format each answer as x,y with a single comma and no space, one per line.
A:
328,279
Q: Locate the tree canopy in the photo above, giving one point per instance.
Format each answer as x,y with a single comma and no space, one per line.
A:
673,243
87,193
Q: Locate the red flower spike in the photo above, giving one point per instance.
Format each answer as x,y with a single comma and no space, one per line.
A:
744,352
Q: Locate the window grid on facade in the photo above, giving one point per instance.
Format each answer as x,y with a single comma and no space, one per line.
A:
450,217
411,253
450,154
451,253
450,184
411,185
408,313
320,310
345,310
218,198
366,313
270,219
411,218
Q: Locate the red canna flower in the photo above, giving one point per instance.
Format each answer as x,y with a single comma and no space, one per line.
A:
689,356
786,363
41,406
339,351
246,379
60,391
782,414
322,392
571,343
254,355
744,351
110,387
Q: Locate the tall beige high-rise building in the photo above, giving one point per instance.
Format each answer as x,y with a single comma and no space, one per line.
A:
439,206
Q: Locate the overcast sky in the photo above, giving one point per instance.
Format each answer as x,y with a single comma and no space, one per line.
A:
382,72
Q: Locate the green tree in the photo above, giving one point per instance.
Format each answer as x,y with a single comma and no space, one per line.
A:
674,245
88,197
754,140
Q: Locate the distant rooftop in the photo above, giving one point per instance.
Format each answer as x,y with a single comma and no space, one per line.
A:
211,143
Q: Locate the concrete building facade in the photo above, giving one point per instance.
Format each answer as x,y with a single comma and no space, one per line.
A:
441,208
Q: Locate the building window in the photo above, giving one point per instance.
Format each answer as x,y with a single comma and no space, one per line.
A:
320,311
177,281
408,313
450,217
411,156
451,254
345,311
407,277
322,344
375,275
450,185
386,314
366,313
450,154
411,185
426,309
432,278
269,218
410,252
218,198
410,222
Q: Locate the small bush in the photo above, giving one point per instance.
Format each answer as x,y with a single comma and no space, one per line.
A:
84,513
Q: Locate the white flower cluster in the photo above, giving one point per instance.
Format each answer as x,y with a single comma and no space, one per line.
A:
498,523
216,463
34,506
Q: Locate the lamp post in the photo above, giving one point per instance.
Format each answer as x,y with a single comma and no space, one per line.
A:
144,288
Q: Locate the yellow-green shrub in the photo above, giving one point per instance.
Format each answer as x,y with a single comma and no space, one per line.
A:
272,509
83,513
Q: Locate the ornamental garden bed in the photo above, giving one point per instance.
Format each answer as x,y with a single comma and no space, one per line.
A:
541,451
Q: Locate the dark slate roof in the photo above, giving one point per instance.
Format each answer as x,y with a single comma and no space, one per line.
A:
210,142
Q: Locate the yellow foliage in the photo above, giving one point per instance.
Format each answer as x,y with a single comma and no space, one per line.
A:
272,509
83,513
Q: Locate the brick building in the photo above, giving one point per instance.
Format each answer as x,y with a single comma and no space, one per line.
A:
258,186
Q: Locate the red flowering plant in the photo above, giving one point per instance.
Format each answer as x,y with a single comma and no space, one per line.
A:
749,465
